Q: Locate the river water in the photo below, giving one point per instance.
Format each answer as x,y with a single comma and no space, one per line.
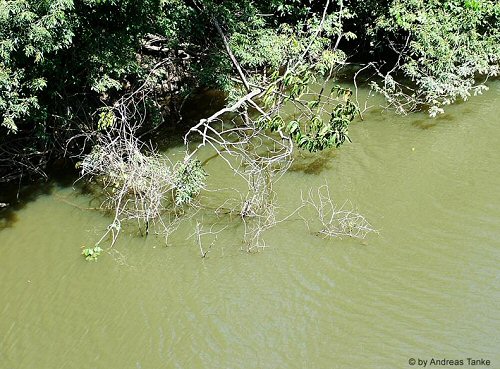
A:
427,286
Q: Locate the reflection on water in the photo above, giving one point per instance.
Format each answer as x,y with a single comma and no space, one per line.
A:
427,286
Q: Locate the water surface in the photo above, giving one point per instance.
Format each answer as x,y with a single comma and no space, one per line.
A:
426,286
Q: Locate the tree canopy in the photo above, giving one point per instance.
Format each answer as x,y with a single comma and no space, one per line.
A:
62,61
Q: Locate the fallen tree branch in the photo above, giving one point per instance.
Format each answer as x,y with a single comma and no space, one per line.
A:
231,55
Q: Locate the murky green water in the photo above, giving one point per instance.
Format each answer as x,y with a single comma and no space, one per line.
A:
427,286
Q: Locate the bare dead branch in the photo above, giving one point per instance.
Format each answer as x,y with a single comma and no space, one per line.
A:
335,221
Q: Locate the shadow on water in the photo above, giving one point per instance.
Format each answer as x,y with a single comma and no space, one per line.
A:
447,117
313,163
14,196
424,124
199,105
17,195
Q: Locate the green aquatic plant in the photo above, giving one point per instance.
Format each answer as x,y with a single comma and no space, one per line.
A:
91,254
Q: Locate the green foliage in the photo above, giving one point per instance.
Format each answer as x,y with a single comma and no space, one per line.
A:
29,32
319,134
449,44
106,119
59,59
323,125
91,254
274,47
52,50
189,180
